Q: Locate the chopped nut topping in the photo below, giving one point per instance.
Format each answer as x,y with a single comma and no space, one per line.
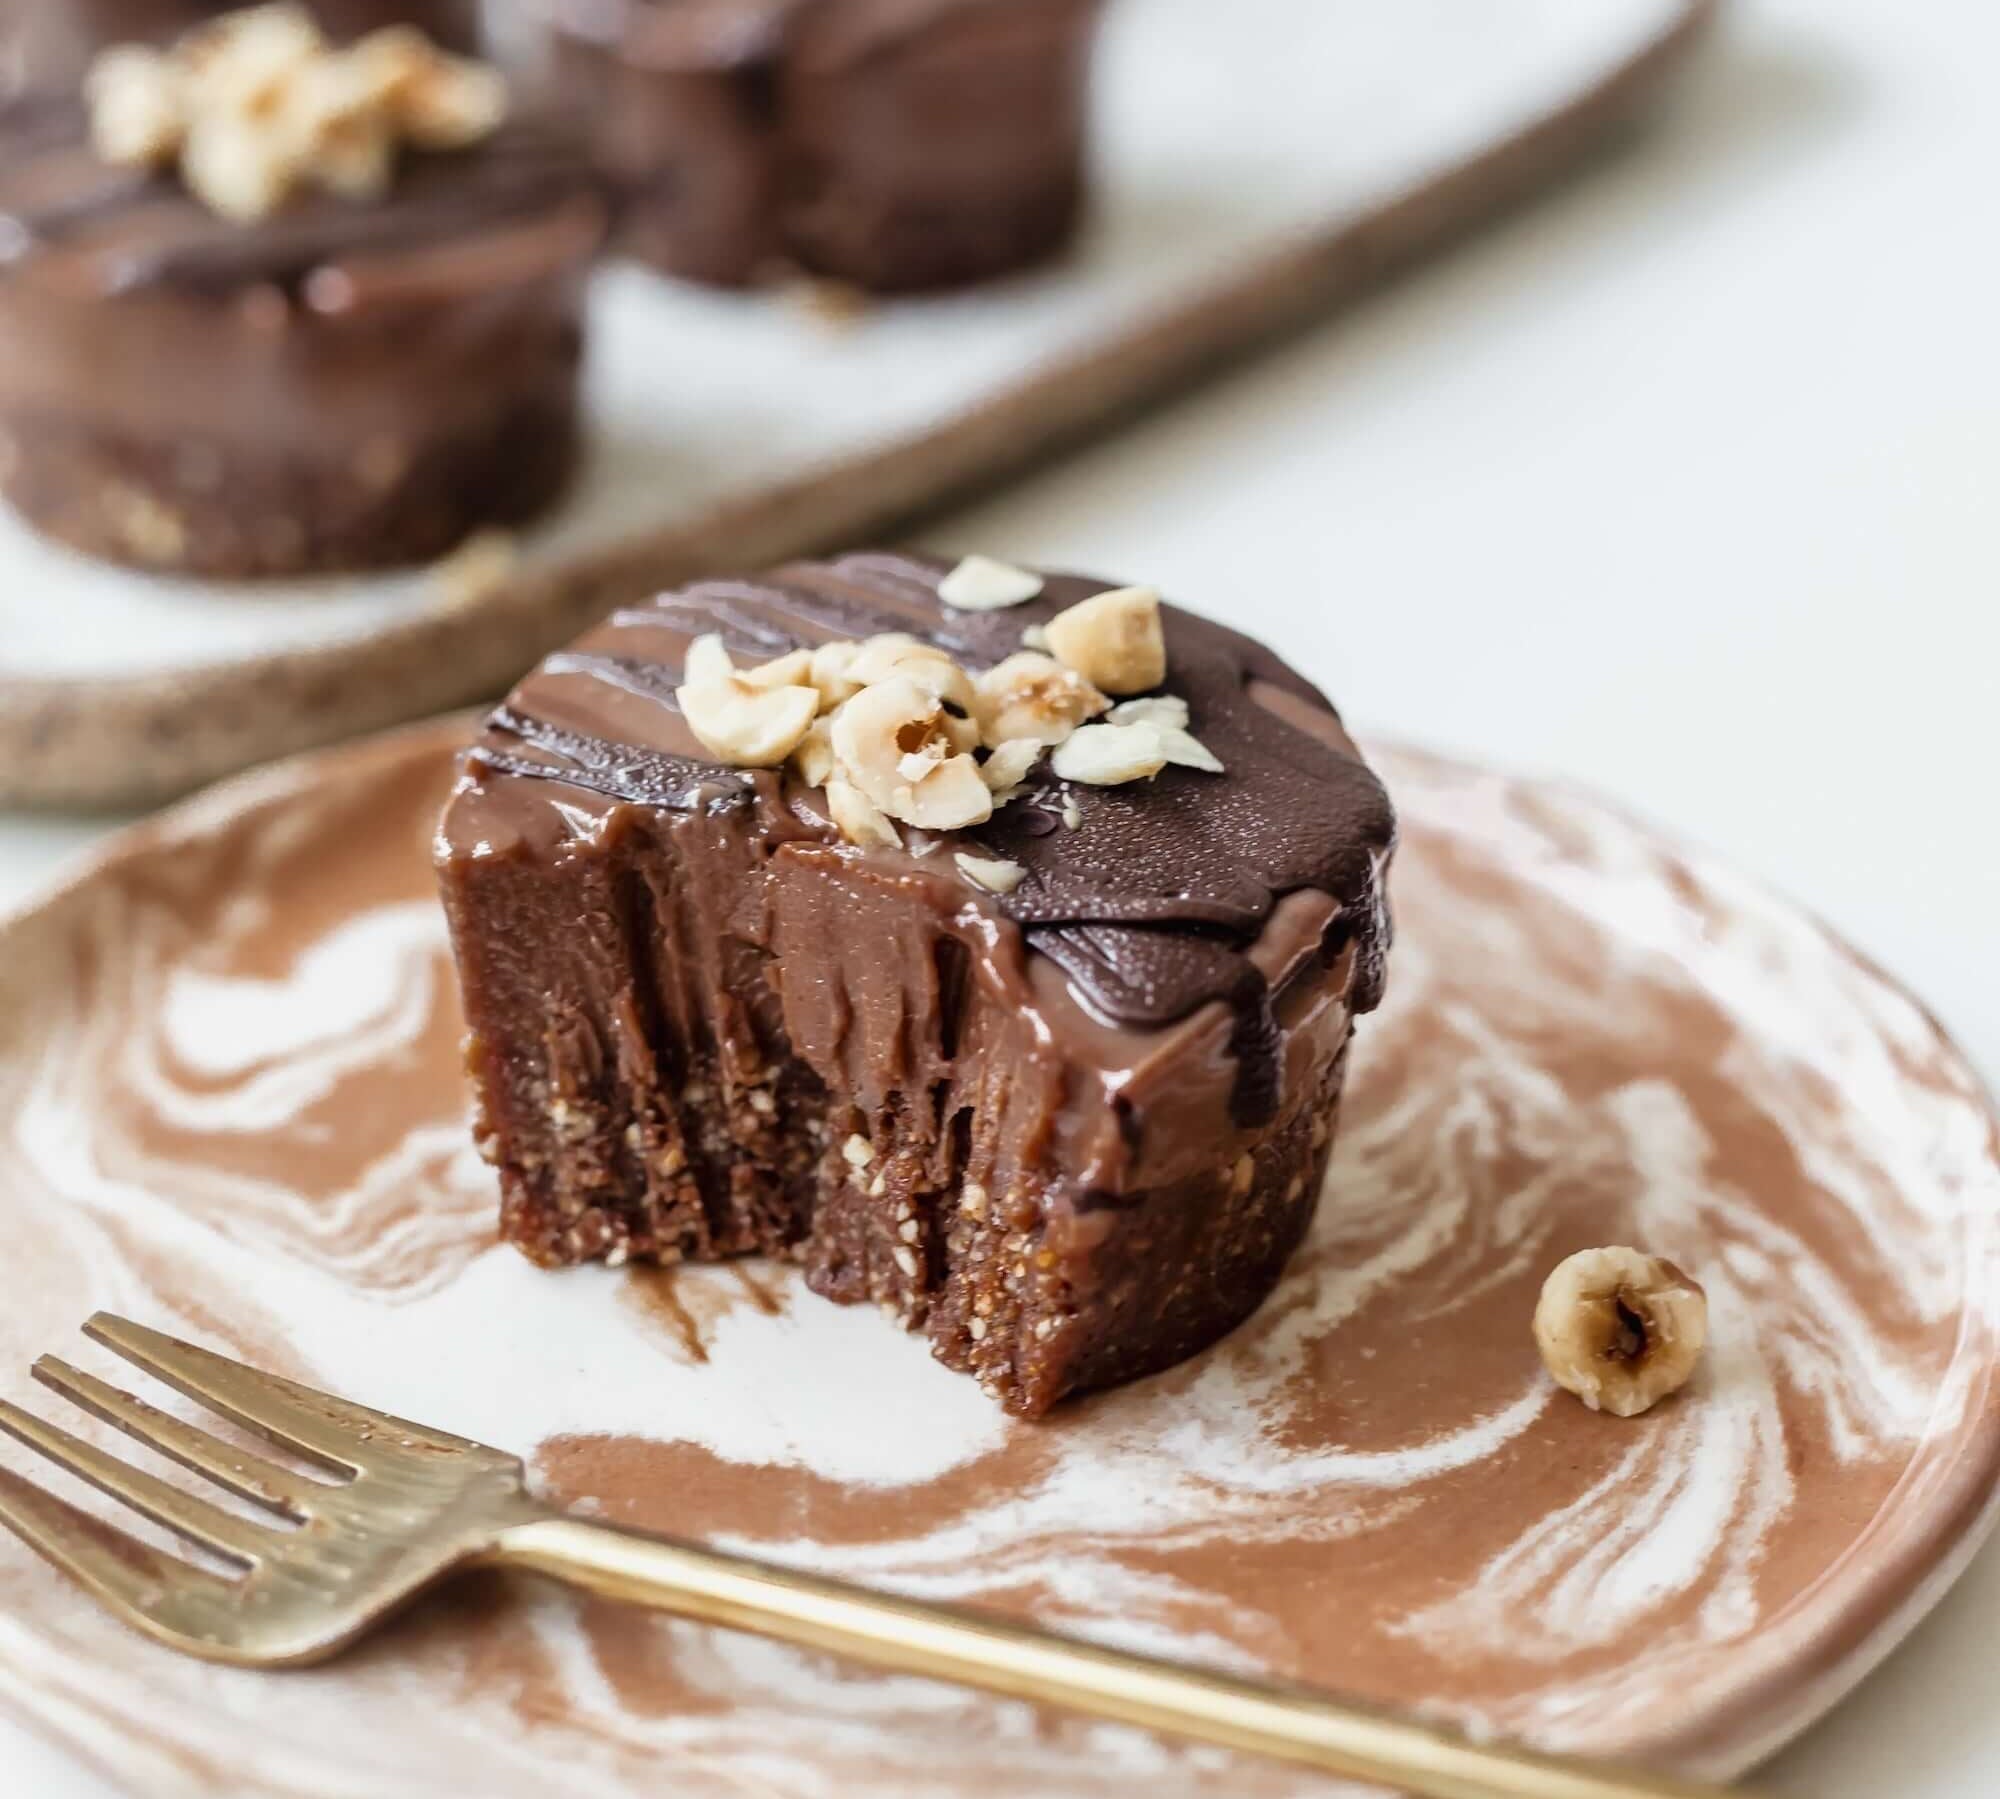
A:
895,742
979,584
1165,709
1620,1329
890,727
793,670
708,662
257,103
995,875
929,667
858,1151
138,107
737,722
1033,697
1114,640
832,664
1110,755
437,101
814,758
857,817
1008,767
1185,751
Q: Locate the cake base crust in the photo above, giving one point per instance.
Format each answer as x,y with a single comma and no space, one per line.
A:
197,509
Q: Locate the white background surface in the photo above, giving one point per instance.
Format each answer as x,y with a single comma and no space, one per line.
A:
1684,485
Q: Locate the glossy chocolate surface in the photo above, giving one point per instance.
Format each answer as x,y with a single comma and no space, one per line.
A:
1150,905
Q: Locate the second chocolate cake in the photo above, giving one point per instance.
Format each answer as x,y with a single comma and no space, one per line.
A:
988,942
273,306
896,144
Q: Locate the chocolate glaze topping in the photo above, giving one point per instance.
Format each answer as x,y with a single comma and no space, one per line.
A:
1150,905
123,230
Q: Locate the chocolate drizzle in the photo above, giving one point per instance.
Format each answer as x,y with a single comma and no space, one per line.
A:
140,231
616,771
1151,904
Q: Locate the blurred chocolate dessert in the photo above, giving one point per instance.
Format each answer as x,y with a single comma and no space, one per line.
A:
270,305
895,144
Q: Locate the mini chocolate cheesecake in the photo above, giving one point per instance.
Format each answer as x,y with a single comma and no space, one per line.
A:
47,45
813,916
895,144
232,369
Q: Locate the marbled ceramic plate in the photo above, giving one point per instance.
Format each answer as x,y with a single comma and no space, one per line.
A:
229,1105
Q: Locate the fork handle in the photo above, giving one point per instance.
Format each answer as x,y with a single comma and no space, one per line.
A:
907,1636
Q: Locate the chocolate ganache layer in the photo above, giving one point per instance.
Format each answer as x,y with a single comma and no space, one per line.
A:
348,383
897,144
1071,1129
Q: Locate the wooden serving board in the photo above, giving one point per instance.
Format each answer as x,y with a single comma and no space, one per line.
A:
1261,162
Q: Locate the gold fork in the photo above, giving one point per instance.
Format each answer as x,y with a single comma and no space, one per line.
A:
407,1505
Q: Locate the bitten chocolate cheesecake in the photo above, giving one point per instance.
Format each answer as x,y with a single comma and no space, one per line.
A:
989,942
273,306
895,144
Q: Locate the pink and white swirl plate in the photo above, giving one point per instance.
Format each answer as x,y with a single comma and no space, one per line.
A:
230,1105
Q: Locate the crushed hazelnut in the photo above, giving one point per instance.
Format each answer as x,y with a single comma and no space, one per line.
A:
831,672
239,170
793,670
1114,640
1185,751
138,107
707,661
1032,697
858,818
1167,710
435,100
1620,1329
1008,766
992,873
895,742
932,669
814,757
1110,755
257,103
738,723
980,584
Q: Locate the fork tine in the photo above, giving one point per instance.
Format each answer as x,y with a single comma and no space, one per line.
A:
131,1577
246,1475
334,1432
195,1519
